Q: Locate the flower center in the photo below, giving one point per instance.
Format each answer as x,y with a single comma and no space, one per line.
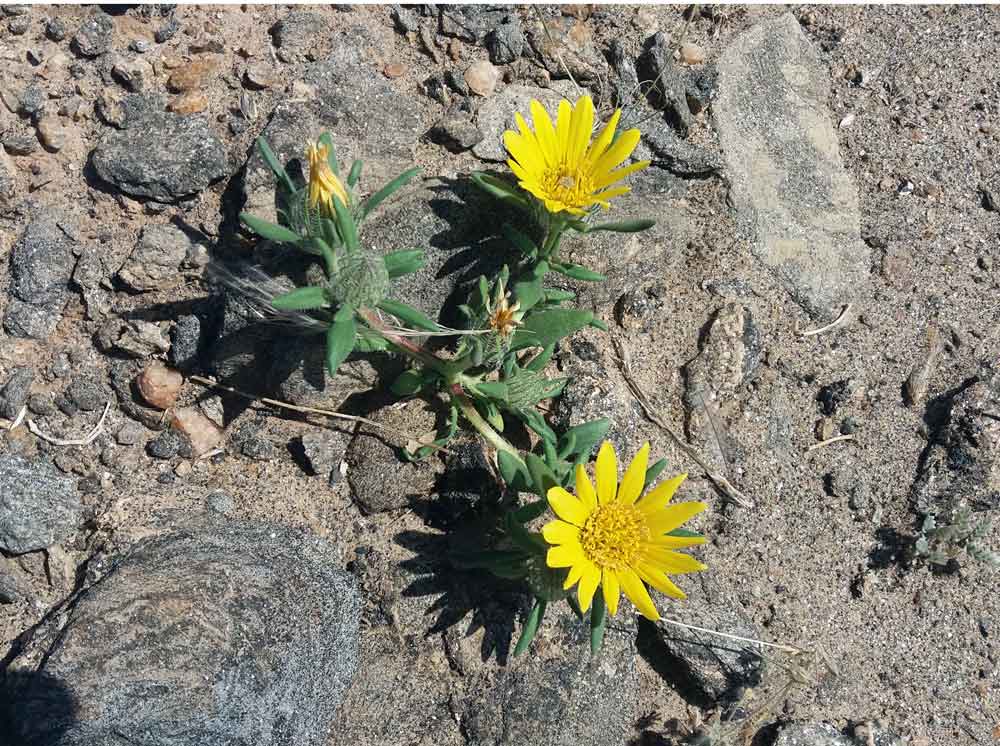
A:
612,535
571,186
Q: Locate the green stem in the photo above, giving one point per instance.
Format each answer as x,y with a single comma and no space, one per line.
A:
471,414
403,344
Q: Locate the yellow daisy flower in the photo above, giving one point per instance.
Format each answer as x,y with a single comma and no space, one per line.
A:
323,182
616,538
561,166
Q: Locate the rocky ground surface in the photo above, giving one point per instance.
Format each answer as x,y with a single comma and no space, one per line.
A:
190,566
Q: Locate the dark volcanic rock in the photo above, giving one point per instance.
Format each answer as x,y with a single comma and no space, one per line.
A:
669,93
14,393
155,263
217,633
94,37
39,506
41,264
161,155
301,35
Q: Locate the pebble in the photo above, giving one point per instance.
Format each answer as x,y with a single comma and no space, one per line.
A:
15,392
220,502
482,78
209,45
166,31
20,143
849,426
692,54
19,25
394,70
139,46
95,35
204,434
130,433
56,30
456,133
135,76
159,385
166,445
824,429
42,404
89,392
191,102
51,133
32,99
258,76
324,450
190,76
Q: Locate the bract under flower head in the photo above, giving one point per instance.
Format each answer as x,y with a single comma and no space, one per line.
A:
617,538
561,166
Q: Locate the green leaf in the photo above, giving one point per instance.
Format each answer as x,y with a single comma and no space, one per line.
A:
385,192
654,471
408,383
486,559
502,190
274,164
577,272
331,153
625,226
515,476
368,341
527,540
270,231
408,314
340,338
355,174
542,477
492,414
536,422
548,327
553,295
684,533
528,290
530,627
520,241
588,435
493,389
598,324
399,263
598,623
539,361
302,299
348,230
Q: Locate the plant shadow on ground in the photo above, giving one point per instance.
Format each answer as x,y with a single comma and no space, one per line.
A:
35,707
465,514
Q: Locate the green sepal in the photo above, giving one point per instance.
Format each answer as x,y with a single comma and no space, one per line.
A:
587,435
514,474
654,471
272,162
302,299
355,173
331,153
345,223
684,533
548,327
407,383
577,272
542,477
399,263
502,190
530,627
491,414
520,241
270,231
625,226
385,192
408,314
598,623
340,338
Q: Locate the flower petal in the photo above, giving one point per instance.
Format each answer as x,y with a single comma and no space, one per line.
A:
672,516
676,542
568,507
563,127
574,574
545,133
524,152
611,589
635,477
604,139
620,150
637,594
658,497
564,555
588,585
581,130
560,532
654,578
670,562
606,473
585,489
612,176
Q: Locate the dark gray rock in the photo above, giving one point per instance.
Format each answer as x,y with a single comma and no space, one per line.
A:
20,142
166,32
55,29
626,80
456,132
794,198
8,177
669,92
39,507
324,451
42,404
14,394
456,81
155,262
95,36
89,391
19,25
220,502
130,433
705,668
404,20
437,89
666,149
221,632
566,48
367,118
496,114
185,342
505,43
250,442
169,444
41,264
470,23
302,35
32,99
798,734
160,155
10,590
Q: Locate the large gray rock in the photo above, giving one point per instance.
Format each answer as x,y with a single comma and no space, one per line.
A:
155,263
366,117
160,155
39,506
793,196
217,634
496,114
41,264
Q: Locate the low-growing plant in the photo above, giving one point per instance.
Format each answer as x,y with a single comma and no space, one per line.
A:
616,535
957,531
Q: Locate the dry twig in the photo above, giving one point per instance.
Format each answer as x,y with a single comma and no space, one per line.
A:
84,441
832,325
720,481
835,439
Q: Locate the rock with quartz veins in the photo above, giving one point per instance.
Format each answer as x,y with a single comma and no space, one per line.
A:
793,197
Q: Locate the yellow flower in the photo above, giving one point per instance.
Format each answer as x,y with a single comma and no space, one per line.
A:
561,166
612,538
505,317
323,183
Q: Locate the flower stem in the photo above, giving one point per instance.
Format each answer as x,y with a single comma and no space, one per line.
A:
404,345
471,414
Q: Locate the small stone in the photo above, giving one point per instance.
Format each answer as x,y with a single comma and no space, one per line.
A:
436,89
19,26
159,385
203,434
915,388
192,75
506,42
139,46
849,426
208,45
32,99
692,54
155,262
134,337
166,445
252,444
42,404
56,29
51,133
831,396
185,342
136,76
220,502
166,31
798,734
94,37
456,133
191,102
130,433
39,506
482,78
89,391
302,35
258,76
394,70
456,82
324,451
20,143
824,429
14,393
